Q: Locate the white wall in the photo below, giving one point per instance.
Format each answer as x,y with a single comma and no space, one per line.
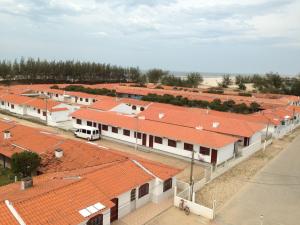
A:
225,153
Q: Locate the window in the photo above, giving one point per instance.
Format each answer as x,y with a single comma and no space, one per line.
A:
143,190
78,121
132,194
96,220
56,95
158,140
139,135
89,123
204,150
94,100
94,124
172,143
188,147
167,184
12,106
86,100
104,127
114,130
81,99
88,131
126,132
142,109
2,103
44,113
39,111
133,107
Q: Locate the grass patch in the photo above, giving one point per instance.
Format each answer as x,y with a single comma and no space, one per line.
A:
6,176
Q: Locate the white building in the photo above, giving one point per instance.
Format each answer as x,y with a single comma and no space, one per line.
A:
171,139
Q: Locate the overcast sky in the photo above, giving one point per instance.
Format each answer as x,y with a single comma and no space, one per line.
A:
179,35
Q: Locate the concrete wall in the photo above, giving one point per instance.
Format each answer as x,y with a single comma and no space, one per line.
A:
193,206
225,153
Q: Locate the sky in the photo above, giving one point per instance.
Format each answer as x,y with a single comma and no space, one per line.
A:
223,36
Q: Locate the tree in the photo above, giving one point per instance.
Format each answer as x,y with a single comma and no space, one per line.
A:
25,163
226,81
254,107
242,86
134,75
194,79
155,75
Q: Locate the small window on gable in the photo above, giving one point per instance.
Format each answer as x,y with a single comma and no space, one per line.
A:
78,121
133,195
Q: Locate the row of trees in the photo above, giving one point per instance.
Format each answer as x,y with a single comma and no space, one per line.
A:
94,91
42,71
271,83
217,104
164,77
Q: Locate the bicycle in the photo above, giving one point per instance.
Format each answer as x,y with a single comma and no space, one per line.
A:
184,207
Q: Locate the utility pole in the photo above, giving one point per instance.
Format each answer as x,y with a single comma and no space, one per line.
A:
191,174
136,132
46,99
265,143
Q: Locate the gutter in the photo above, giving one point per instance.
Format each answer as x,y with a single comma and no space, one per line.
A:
146,170
14,212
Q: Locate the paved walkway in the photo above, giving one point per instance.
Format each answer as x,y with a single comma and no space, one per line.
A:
274,193
145,213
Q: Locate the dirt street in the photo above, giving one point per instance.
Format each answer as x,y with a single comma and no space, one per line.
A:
224,187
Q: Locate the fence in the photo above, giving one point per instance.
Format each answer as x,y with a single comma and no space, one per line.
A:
185,189
193,206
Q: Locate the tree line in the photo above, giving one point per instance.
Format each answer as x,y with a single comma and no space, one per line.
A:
42,71
271,83
216,104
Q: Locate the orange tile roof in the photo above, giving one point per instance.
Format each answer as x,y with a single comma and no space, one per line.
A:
6,218
105,104
15,99
42,104
56,198
76,154
189,135
194,118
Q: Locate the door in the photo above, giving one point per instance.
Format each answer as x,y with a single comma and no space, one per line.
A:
114,210
99,127
214,156
144,139
151,141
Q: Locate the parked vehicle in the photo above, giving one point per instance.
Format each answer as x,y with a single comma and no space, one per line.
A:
89,133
